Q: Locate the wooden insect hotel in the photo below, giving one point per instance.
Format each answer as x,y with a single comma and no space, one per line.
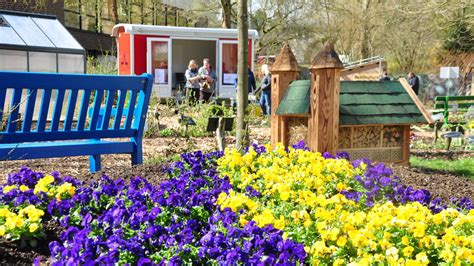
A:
367,119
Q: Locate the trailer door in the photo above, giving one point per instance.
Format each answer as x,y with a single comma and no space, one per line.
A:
159,65
227,61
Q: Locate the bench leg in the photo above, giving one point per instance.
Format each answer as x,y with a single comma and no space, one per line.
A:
137,156
94,161
448,143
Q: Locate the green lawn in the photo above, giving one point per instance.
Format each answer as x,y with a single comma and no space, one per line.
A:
462,167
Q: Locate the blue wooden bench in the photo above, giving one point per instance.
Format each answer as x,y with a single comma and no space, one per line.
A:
62,127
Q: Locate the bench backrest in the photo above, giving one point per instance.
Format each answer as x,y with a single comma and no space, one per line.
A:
69,106
463,102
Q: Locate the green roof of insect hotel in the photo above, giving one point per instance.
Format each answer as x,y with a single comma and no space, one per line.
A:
361,103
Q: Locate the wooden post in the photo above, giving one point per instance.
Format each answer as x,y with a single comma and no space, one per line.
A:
406,145
220,134
323,122
284,71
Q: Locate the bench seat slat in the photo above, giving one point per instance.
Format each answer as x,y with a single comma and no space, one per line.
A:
71,107
19,137
83,112
29,110
57,110
120,105
36,150
14,110
454,98
44,108
96,105
3,95
459,106
108,108
131,109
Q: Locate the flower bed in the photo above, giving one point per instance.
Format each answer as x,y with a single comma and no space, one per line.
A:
286,206
345,213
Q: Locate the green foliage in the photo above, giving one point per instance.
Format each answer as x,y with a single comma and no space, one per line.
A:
163,159
168,132
463,167
101,65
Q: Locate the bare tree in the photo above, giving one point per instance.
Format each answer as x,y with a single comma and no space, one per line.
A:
226,13
114,11
278,22
242,72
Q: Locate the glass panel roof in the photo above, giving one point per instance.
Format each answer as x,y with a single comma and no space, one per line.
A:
30,30
57,33
9,36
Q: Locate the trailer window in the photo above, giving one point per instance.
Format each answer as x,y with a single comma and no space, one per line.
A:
159,61
229,63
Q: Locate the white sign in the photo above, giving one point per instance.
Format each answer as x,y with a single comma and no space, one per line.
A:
230,78
449,72
438,117
160,76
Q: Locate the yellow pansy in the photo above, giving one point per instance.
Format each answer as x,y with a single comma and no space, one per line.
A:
284,195
33,227
280,223
407,251
7,189
65,188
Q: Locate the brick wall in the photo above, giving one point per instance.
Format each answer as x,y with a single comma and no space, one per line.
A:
49,7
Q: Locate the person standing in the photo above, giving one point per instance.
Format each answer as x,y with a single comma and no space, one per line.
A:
414,82
252,86
192,81
208,81
385,76
252,83
266,88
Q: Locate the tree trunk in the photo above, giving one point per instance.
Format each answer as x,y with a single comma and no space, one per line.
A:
242,72
220,134
142,11
114,11
98,16
364,49
129,11
227,14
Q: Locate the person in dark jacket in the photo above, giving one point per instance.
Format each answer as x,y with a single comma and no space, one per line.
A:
266,88
384,77
252,89
414,82
252,84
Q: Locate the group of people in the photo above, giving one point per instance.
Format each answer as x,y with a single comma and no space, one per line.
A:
413,80
201,83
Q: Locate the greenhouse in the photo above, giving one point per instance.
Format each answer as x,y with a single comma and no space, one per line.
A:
38,43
